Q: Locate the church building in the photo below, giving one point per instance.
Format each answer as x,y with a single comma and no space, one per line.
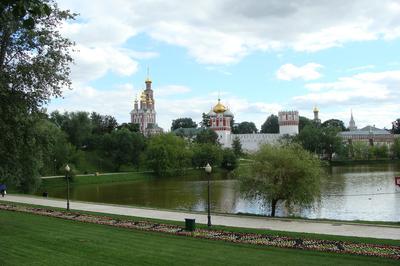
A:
220,122
144,113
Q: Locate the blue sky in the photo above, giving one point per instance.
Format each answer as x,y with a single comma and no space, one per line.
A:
259,56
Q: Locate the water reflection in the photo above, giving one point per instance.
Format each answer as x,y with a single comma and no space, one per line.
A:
364,192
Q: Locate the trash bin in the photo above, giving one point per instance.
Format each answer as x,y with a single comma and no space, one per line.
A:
190,224
45,194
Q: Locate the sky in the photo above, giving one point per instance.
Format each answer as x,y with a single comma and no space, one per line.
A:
259,57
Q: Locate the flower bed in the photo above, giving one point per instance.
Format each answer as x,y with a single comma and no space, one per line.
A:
386,251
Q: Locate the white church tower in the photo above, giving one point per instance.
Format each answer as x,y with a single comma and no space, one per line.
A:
220,122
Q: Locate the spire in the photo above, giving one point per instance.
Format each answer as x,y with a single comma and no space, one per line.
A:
352,123
148,75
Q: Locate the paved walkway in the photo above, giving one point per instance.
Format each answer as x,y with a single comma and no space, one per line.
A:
330,228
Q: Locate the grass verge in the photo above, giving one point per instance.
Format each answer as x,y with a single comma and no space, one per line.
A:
29,239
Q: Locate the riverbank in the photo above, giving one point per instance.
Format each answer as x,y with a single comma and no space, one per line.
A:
364,162
40,240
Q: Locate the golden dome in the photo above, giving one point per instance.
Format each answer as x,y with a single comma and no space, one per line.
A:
219,108
315,110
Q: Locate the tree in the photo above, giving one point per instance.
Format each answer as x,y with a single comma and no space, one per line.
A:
131,127
229,159
245,128
396,126
396,148
206,153
205,121
123,147
270,125
78,127
185,122
334,123
34,66
320,140
237,147
167,154
207,136
303,122
282,173
102,124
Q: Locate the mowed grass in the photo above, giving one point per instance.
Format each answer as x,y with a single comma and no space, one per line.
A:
92,179
28,239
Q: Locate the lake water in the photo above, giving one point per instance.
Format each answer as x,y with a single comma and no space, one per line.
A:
364,192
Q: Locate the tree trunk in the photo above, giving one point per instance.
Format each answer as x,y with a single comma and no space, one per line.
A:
273,207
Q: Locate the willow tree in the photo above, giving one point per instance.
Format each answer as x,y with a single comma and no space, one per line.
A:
34,66
282,173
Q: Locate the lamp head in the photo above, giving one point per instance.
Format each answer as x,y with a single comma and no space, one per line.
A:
208,168
67,168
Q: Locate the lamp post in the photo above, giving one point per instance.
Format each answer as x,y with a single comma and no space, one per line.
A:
208,171
67,169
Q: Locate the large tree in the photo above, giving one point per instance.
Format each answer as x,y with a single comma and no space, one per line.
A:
245,128
303,122
282,173
270,125
334,123
167,154
185,122
207,136
396,126
34,66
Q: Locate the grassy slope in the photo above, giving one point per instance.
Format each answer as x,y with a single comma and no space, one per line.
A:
28,239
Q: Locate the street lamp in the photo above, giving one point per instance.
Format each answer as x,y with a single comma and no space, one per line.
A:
67,169
208,171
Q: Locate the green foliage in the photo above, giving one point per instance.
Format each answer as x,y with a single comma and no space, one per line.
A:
185,122
237,147
396,148
131,127
303,122
271,125
123,146
334,123
205,121
229,160
287,173
102,124
167,154
34,66
206,153
207,136
245,128
396,126
78,127
320,140
361,150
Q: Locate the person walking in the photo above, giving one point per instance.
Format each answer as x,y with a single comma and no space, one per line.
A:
3,188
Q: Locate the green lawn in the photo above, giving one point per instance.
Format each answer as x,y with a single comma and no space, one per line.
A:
28,239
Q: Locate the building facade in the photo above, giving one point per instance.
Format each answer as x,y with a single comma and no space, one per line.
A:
144,113
220,122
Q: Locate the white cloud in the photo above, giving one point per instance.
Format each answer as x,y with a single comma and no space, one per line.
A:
306,72
373,95
223,32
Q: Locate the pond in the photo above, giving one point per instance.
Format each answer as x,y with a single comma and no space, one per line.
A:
361,192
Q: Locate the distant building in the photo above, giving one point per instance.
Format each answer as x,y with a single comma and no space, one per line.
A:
220,122
352,123
370,134
144,113
316,117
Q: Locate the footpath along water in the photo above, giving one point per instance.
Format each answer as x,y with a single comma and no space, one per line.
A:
365,192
